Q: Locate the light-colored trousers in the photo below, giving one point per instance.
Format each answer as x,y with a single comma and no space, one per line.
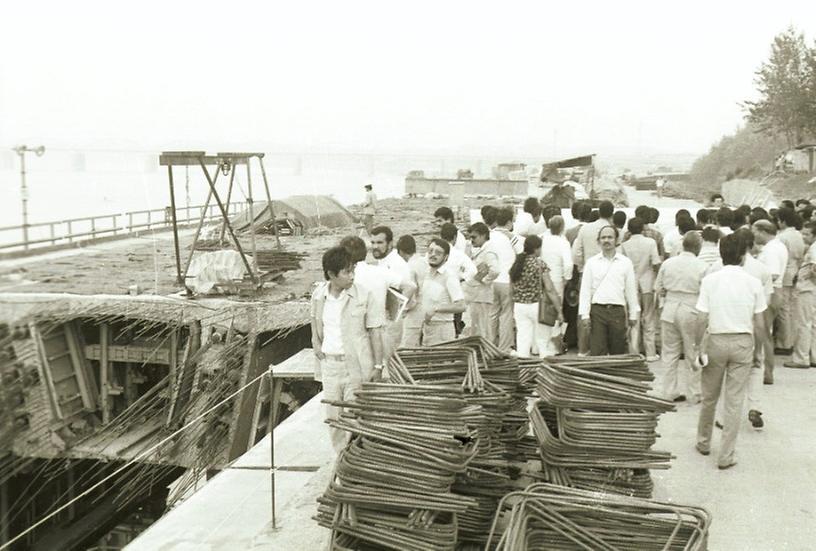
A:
393,337
803,351
480,321
753,395
532,338
339,384
645,329
787,311
679,336
501,316
434,332
729,363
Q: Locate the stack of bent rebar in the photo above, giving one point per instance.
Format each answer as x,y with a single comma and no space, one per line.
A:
392,483
595,429
546,516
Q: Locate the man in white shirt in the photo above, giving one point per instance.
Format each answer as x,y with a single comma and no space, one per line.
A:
804,352
479,289
398,277
790,237
530,221
731,303
775,257
414,317
369,208
501,243
608,290
725,217
440,295
444,215
458,263
642,251
755,381
710,250
375,280
678,287
346,324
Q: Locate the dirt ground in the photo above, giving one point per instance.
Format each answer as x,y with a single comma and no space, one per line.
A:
149,261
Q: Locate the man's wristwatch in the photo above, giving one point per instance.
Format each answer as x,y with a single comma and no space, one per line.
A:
378,366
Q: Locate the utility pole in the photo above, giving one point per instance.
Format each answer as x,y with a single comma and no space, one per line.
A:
21,150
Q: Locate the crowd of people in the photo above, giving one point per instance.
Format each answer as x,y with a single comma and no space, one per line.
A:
716,298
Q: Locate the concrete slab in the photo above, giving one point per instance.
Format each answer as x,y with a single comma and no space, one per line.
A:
234,509
768,500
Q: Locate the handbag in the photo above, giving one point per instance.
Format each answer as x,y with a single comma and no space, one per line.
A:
547,312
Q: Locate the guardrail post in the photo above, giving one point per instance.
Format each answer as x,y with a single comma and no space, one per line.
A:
148,219
70,232
130,222
93,228
51,232
113,223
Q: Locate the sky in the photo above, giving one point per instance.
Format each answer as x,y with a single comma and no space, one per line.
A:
400,77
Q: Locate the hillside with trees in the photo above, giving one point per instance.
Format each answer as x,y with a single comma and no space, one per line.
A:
783,115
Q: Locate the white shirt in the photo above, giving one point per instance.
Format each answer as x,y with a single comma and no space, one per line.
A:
557,254
608,281
756,269
461,241
725,230
398,271
525,225
775,256
375,280
459,263
731,297
500,245
332,312
673,242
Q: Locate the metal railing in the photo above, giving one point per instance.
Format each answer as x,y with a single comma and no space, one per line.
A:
72,230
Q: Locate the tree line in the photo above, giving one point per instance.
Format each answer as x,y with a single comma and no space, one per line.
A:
786,85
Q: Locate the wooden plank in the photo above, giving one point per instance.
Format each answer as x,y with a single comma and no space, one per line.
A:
187,158
242,415
86,387
45,373
104,372
130,353
256,415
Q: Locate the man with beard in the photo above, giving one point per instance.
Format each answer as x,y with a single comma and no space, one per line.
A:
440,294
398,277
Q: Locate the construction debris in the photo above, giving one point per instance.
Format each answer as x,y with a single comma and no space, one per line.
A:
545,516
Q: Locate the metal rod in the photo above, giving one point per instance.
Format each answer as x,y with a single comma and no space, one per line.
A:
269,202
226,218
272,443
179,280
229,198
24,197
251,219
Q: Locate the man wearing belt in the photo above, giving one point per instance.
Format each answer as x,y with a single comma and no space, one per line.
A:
774,255
397,275
608,289
804,351
346,325
479,289
440,295
790,237
731,303
678,287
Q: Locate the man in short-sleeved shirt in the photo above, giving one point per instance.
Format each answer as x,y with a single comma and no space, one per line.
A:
642,251
731,302
440,295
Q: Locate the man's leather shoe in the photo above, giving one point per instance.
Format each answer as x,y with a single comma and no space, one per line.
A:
681,398
727,465
718,425
701,451
755,417
783,351
796,366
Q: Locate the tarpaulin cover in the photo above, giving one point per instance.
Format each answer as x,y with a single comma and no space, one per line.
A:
310,210
209,269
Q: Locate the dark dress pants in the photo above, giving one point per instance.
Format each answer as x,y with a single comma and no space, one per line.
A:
607,329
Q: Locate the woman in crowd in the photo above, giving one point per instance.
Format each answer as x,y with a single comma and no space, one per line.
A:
531,281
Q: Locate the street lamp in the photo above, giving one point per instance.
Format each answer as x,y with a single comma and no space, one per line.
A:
21,150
